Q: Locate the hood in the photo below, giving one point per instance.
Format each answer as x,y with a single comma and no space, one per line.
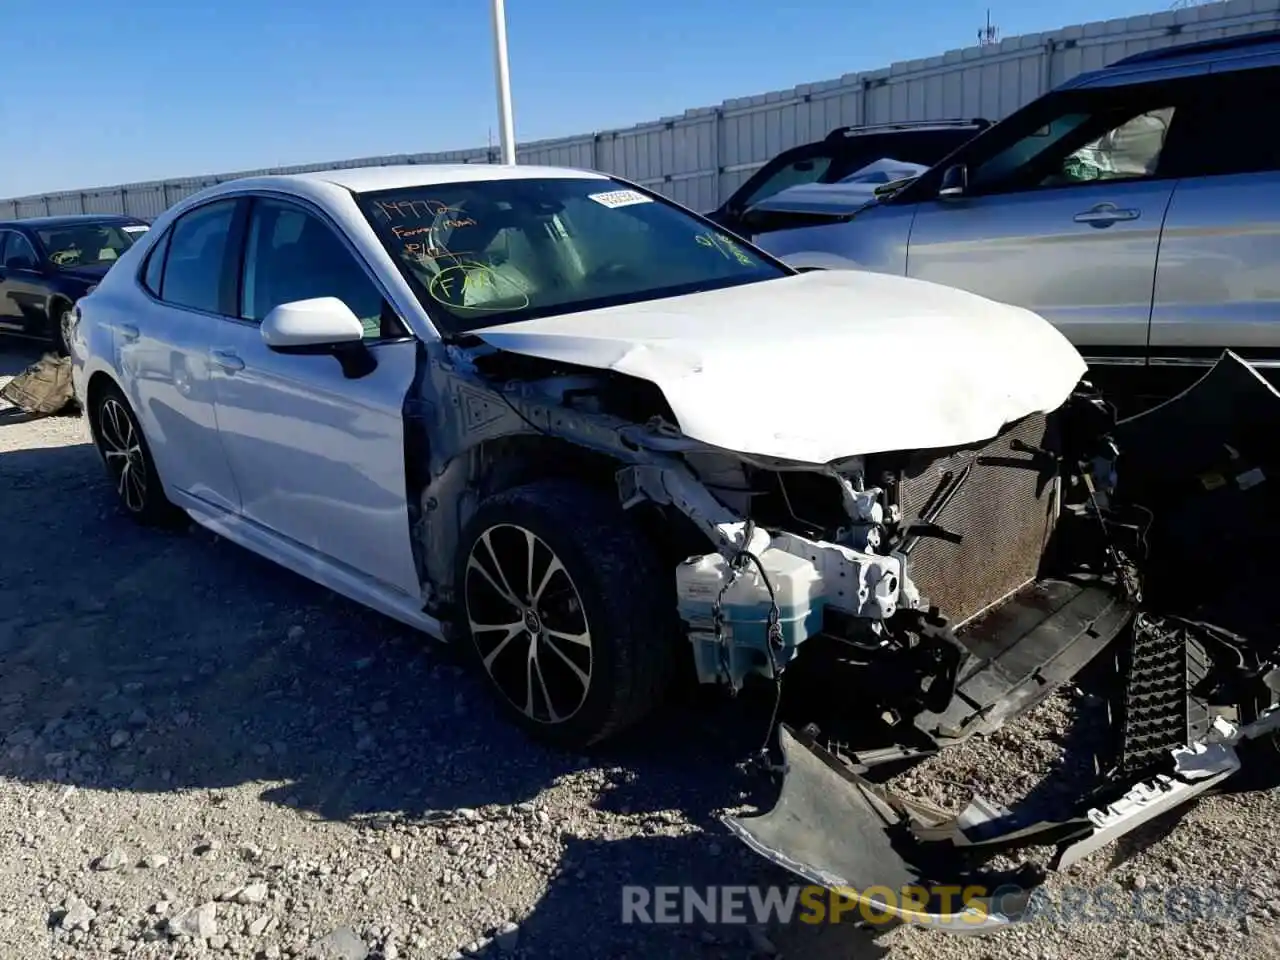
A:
847,195
822,365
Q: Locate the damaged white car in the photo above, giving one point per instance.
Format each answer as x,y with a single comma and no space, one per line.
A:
595,440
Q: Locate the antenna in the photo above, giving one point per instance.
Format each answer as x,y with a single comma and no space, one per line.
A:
989,34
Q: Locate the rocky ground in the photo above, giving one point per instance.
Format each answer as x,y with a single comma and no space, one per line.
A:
202,755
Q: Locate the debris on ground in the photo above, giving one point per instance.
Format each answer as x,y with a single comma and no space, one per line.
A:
44,388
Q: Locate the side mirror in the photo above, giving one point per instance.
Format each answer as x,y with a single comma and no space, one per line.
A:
305,325
955,181
19,263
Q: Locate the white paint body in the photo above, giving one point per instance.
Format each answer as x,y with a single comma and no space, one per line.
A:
815,367
282,454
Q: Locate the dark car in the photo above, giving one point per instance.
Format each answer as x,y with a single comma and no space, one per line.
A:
48,263
844,151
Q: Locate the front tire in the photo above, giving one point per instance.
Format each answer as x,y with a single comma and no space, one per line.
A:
124,451
565,609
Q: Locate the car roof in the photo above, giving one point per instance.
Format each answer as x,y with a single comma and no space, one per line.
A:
1223,53
69,220
403,176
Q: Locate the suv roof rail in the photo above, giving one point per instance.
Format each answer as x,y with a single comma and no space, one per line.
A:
1200,46
840,132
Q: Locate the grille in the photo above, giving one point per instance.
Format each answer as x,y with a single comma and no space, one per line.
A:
1004,513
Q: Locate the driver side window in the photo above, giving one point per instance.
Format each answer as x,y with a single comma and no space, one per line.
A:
1092,135
18,252
293,255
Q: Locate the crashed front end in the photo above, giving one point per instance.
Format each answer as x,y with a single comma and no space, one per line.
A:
1015,563
886,558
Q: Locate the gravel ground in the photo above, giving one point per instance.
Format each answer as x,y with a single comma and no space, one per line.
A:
204,755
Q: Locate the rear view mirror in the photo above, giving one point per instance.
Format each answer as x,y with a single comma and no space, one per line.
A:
307,324
955,181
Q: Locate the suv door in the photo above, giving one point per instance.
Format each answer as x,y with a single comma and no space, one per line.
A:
163,351
316,439
1216,277
1061,213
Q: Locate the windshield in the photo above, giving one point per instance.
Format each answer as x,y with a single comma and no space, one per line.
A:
497,251
89,244
835,160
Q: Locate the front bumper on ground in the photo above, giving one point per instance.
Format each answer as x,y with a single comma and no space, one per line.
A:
903,859
1194,700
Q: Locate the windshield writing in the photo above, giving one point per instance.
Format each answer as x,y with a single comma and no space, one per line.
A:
498,251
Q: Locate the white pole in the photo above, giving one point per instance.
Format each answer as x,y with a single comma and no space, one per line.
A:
506,127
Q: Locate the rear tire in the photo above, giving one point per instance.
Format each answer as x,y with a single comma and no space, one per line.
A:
129,463
566,611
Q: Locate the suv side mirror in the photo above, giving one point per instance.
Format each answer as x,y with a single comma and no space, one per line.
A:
19,262
955,181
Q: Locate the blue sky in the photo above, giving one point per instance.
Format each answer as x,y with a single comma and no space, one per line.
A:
104,93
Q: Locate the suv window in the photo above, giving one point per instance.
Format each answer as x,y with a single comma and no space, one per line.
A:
18,252
833,159
1231,126
807,168
194,267
293,255
1079,136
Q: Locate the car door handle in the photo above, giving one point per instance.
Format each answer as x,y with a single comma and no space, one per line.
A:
129,332
227,360
1105,214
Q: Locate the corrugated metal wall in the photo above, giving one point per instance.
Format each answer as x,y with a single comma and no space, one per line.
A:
701,157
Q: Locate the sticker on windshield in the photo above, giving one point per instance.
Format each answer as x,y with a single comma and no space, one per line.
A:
135,228
619,198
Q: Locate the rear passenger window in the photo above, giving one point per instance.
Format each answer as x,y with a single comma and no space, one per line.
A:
293,255
1233,127
152,276
197,253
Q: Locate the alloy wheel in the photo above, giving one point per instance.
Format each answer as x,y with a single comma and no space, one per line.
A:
528,624
122,450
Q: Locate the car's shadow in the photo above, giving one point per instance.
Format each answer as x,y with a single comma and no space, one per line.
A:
140,660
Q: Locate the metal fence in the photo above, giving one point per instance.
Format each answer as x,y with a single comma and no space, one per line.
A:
701,157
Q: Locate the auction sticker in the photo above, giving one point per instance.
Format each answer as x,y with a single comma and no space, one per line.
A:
619,198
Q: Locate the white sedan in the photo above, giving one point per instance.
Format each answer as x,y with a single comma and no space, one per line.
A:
554,417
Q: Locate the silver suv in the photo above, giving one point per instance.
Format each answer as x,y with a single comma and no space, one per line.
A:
1136,207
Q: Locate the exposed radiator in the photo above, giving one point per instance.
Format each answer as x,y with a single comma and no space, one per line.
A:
1004,512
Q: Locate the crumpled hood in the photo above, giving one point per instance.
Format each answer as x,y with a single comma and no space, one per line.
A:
823,365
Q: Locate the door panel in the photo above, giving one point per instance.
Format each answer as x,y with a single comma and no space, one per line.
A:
319,458
1059,208
1082,256
1217,284
164,356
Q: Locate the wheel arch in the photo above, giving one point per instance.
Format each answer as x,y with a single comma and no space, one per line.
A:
499,464
99,382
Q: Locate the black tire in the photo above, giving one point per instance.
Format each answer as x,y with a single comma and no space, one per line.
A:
610,582
60,321
124,452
